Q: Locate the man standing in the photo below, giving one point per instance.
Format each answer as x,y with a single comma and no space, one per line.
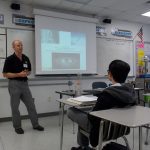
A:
16,68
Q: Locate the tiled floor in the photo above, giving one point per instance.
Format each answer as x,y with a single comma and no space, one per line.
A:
50,138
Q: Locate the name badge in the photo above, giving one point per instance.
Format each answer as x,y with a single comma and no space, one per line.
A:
25,65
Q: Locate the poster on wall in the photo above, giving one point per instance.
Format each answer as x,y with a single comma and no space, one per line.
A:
2,46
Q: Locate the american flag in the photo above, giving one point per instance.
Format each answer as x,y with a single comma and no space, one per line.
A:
140,35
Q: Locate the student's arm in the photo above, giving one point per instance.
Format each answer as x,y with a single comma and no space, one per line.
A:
104,101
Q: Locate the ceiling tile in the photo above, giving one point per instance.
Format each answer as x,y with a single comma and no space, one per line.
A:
126,5
91,9
79,1
69,5
24,1
101,3
46,3
121,9
107,12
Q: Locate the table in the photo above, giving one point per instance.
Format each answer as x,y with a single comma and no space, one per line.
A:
84,92
66,92
135,116
64,102
92,91
71,93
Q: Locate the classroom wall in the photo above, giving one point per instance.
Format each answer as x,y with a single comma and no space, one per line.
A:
43,90
26,10
131,26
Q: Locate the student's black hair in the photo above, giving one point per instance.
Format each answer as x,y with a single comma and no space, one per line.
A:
119,70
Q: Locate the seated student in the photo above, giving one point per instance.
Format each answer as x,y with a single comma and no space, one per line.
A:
118,94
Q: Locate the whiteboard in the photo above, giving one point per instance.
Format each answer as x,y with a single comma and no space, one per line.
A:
1,67
2,46
111,49
27,38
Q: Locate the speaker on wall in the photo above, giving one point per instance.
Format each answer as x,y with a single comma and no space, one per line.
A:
15,6
107,21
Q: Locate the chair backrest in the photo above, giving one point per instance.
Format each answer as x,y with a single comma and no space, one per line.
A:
112,131
96,85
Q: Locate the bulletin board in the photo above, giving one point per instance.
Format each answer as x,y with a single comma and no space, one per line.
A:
110,49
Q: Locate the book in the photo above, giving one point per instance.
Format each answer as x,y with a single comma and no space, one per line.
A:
83,100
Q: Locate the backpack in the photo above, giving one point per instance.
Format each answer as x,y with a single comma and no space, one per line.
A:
114,146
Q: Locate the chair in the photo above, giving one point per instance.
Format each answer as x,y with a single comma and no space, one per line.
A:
112,131
96,85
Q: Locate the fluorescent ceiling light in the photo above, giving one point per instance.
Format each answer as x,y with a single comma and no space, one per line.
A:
147,14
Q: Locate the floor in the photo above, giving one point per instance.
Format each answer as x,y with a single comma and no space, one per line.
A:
50,138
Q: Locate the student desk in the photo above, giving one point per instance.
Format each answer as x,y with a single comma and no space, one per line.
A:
73,94
64,102
133,117
66,92
92,91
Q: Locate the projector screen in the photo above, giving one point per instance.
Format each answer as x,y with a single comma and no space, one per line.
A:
64,46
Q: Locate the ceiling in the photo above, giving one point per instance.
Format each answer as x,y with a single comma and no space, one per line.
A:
127,10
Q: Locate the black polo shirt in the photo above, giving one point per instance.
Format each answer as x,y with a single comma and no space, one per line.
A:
14,65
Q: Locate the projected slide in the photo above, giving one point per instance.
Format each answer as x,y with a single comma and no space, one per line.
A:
65,61
64,44
63,50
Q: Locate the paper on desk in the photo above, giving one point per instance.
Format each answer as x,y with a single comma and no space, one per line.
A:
83,100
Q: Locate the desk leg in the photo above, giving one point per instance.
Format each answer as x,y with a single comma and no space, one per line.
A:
147,130
60,109
61,127
138,93
100,135
140,138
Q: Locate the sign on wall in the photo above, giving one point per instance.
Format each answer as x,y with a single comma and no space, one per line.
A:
101,31
22,20
121,33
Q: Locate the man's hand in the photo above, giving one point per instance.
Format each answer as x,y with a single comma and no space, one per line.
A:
23,73
27,72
